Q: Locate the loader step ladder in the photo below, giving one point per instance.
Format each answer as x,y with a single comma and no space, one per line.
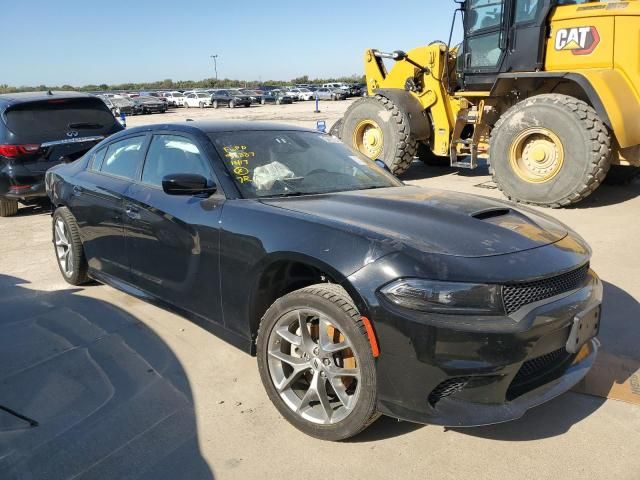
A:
464,152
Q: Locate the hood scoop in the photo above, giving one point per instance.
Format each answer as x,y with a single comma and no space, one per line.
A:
489,213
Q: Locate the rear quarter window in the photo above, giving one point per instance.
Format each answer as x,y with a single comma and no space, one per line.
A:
52,119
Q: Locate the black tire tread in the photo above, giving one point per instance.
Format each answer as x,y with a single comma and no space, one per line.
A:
80,276
599,163
407,147
8,208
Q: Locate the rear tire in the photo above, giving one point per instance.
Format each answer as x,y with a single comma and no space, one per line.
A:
68,247
349,407
215,104
336,129
565,154
232,104
399,147
262,102
621,175
8,208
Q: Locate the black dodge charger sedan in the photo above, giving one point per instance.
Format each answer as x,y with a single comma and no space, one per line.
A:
359,295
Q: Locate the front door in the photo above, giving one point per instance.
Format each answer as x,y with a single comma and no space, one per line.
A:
173,241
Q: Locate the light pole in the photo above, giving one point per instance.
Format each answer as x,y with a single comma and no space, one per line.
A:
215,65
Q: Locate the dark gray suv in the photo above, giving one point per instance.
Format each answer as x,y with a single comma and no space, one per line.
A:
39,130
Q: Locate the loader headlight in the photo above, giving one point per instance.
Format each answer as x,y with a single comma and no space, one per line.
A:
445,297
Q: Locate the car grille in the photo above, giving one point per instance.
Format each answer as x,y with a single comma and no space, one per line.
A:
543,364
516,296
447,388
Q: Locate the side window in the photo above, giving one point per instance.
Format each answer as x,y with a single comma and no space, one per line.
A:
122,157
485,50
173,154
526,10
484,14
96,159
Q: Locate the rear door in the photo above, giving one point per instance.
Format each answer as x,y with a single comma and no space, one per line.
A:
173,241
66,127
97,202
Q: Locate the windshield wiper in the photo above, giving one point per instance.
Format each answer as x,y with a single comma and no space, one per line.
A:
287,194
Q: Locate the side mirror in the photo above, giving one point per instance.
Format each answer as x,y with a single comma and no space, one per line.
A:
187,184
381,164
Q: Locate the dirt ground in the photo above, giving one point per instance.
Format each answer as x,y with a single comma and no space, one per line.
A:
132,379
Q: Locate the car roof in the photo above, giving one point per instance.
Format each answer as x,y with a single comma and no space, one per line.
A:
8,99
204,126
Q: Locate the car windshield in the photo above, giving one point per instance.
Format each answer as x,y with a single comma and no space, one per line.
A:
293,163
304,90
222,92
203,95
177,94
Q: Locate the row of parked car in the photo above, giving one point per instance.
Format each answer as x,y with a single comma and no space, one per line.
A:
139,103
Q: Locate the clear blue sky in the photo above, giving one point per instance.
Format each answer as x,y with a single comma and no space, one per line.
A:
78,42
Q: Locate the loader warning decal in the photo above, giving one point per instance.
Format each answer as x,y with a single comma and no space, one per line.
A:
579,40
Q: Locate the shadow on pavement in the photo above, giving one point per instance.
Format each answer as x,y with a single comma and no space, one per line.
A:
620,330
110,398
607,195
549,420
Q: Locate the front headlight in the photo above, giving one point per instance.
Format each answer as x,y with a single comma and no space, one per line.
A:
445,297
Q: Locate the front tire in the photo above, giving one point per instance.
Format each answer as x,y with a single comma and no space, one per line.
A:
8,208
550,150
377,128
232,104
68,247
316,364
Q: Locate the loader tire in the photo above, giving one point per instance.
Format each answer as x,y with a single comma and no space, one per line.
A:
549,150
336,129
398,147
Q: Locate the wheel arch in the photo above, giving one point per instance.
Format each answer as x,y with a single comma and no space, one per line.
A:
281,273
605,91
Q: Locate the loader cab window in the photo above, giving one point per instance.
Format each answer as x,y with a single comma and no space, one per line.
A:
484,14
483,24
527,10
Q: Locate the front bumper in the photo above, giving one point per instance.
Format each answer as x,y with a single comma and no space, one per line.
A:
461,371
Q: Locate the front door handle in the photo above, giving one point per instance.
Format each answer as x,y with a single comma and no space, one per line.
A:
132,212
77,190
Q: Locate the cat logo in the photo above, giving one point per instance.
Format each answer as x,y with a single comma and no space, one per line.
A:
580,40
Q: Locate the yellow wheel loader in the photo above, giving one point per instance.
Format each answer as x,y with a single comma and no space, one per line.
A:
547,90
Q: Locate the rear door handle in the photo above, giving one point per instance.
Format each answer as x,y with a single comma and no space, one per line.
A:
132,212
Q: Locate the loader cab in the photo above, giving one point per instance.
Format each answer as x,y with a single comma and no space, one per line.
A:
502,36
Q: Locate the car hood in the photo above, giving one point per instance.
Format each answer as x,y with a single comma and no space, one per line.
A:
431,221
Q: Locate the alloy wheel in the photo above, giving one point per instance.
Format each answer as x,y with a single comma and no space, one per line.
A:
314,367
63,247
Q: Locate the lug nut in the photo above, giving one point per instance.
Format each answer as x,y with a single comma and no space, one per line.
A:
316,350
327,362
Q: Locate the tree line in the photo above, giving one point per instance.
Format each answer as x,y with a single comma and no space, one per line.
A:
169,84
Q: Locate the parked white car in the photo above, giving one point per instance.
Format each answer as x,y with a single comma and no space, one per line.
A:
335,85
302,93
197,100
174,98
